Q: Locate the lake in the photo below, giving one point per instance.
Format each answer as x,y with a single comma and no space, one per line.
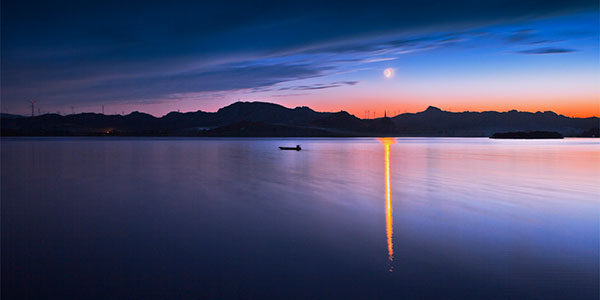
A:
343,218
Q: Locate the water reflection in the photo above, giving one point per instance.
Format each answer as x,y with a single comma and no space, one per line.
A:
477,218
389,220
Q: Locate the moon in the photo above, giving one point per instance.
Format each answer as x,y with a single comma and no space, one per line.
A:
388,73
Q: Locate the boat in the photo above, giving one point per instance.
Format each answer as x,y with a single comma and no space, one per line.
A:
297,148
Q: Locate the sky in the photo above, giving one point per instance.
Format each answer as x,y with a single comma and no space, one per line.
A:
156,57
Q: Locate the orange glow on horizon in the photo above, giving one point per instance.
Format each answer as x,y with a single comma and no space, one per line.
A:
370,106
374,108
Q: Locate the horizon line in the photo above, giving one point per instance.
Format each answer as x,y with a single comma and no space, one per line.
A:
301,106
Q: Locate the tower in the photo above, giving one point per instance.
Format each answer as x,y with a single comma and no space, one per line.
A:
32,107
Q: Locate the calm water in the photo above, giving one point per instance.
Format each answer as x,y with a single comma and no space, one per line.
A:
360,218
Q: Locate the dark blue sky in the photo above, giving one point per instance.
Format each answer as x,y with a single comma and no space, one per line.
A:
155,56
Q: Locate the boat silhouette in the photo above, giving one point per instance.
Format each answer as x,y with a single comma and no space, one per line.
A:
297,148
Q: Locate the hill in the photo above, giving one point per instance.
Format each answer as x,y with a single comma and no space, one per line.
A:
436,122
268,119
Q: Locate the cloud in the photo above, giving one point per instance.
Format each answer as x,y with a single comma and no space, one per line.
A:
543,42
389,45
222,78
529,37
521,36
547,50
288,95
318,86
120,51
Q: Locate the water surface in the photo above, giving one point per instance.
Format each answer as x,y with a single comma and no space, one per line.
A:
360,218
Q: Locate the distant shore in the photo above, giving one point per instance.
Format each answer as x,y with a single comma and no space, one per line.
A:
260,119
527,135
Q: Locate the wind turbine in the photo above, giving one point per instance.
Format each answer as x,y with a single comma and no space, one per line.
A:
32,106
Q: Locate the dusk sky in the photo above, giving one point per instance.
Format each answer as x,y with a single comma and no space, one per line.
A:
158,57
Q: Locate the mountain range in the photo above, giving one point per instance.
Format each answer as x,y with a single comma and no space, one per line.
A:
261,119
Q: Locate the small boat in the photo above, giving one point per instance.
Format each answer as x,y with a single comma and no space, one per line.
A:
297,148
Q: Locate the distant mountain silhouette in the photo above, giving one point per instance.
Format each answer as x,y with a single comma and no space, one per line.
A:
10,116
434,121
268,119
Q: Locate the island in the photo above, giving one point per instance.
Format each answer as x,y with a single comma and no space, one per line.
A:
527,135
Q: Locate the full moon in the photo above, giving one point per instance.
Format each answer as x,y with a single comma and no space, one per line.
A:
388,73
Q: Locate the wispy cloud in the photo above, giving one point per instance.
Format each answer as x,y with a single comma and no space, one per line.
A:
318,86
547,50
521,36
289,95
118,52
221,78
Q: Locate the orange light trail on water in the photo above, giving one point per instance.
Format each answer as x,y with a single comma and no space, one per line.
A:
389,220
